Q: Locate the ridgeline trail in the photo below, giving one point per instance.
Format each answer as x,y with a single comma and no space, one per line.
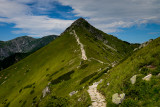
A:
84,57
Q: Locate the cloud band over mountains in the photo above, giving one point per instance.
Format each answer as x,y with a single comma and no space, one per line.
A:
33,17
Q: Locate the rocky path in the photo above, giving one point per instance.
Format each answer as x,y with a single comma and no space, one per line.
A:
99,61
84,57
110,47
98,100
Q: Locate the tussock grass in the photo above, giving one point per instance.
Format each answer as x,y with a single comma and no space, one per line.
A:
143,93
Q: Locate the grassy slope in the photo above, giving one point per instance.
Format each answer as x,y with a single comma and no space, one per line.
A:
59,63
37,64
142,93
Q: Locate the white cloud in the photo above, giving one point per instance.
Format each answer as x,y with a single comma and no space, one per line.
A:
17,12
12,9
110,15
107,15
41,25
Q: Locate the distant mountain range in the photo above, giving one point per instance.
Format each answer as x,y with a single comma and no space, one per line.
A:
82,67
14,50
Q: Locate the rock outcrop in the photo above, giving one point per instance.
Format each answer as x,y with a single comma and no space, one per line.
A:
45,91
72,93
148,77
143,45
118,98
133,79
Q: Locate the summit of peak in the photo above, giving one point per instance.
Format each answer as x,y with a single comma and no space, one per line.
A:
80,21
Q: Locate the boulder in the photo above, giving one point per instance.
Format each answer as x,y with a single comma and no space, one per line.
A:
158,75
45,91
72,93
148,77
133,79
118,98
79,99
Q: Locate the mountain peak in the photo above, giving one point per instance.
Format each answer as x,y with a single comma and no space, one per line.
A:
81,22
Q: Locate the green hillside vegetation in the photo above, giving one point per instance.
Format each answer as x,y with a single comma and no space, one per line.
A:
143,93
59,68
5,63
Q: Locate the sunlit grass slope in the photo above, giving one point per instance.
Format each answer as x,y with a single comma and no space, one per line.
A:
59,67
143,93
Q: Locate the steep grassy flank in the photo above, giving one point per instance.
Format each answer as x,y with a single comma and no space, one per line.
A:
142,93
59,67
35,68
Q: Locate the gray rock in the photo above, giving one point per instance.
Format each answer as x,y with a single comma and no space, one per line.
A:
133,79
45,91
158,75
79,99
145,44
72,93
118,98
148,77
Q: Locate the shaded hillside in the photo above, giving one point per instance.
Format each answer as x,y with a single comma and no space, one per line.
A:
5,63
59,74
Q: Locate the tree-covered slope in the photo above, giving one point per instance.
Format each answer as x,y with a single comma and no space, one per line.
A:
142,68
59,73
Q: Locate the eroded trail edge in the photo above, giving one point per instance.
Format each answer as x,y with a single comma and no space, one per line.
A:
98,100
84,57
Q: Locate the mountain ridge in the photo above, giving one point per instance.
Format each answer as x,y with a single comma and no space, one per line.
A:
22,44
13,56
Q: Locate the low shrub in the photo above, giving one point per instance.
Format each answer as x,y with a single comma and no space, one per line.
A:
55,101
20,90
64,77
32,91
87,78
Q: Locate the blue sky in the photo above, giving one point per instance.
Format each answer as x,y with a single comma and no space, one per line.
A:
135,21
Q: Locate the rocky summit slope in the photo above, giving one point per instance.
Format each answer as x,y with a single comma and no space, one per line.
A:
23,44
60,73
136,81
